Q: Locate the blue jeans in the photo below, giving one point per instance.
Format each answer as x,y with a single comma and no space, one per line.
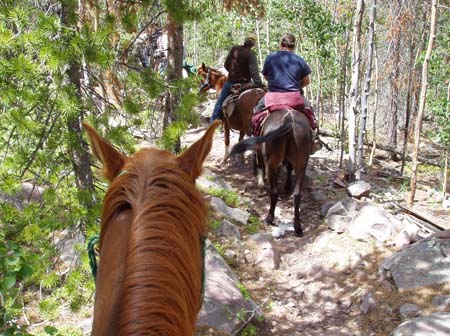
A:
217,113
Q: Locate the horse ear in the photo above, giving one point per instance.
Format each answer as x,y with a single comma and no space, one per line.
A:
191,160
204,66
112,160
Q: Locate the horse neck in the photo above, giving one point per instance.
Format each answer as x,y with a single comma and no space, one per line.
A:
218,85
160,291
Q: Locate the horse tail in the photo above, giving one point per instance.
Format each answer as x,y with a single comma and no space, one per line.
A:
250,143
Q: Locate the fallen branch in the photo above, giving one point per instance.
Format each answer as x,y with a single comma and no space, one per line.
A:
252,315
424,218
385,148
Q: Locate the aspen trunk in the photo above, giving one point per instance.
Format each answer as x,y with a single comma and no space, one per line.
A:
354,90
365,95
423,95
259,44
375,108
342,97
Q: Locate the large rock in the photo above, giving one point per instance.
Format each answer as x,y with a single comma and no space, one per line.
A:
424,263
371,221
228,230
224,306
359,189
266,256
437,324
234,214
209,180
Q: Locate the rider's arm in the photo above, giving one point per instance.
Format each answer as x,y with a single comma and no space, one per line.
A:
305,81
253,68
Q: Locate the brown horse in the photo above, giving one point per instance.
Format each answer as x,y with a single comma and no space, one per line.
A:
154,221
240,119
286,136
211,79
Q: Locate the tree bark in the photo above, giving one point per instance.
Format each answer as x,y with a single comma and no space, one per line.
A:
81,157
375,109
423,95
174,72
365,95
354,90
342,96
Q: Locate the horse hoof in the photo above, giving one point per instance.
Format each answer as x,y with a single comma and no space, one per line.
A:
299,233
298,230
269,221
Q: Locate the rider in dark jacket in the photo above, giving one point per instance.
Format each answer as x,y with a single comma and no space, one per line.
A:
242,67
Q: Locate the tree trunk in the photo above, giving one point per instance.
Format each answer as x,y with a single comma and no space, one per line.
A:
354,90
81,157
257,24
391,115
365,95
408,104
342,96
423,95
375,108
174,72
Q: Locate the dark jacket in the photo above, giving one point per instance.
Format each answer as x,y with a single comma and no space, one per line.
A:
242,66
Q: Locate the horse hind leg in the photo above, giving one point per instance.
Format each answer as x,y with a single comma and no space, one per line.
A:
226,136
297,200
272,176
297,225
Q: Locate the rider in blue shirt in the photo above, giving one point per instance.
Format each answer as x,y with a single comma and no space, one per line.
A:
287,72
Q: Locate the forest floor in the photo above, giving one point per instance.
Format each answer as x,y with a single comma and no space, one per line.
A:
322,276
317,289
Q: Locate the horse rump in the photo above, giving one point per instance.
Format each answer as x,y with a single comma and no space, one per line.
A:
250,143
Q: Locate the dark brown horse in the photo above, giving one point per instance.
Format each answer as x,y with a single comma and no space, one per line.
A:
154,221
286,136
240,119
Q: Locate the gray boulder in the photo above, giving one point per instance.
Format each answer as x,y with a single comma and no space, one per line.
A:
424,263
224,306
234,214
359,189
371,221
437,324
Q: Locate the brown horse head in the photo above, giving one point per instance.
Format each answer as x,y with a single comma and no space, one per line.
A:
211,79
149,278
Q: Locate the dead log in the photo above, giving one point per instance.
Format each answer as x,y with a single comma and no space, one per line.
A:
385,148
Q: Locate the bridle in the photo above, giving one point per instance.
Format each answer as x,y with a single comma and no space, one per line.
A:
206,85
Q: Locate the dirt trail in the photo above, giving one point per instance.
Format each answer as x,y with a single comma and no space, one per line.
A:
322,276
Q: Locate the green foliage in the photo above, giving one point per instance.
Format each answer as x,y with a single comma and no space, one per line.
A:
215,224
231,198
244,291
254,225
250,330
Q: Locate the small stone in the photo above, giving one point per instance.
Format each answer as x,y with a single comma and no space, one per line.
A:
442,302
368,303
409,310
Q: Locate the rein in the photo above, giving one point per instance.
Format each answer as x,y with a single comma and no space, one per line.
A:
92,254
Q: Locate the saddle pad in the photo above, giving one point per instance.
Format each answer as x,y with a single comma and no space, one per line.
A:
257,122
228,105
284,100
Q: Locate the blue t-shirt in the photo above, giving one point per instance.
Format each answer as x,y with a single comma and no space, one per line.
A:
284,71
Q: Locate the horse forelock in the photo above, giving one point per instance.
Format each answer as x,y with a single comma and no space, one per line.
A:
162,283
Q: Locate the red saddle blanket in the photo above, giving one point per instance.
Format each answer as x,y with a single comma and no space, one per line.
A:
284,100
258,118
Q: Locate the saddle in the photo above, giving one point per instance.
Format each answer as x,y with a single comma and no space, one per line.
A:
259,118
230,102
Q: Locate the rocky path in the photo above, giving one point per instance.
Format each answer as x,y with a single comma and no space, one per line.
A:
325,283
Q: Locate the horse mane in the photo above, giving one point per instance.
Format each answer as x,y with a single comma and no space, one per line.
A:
162,284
